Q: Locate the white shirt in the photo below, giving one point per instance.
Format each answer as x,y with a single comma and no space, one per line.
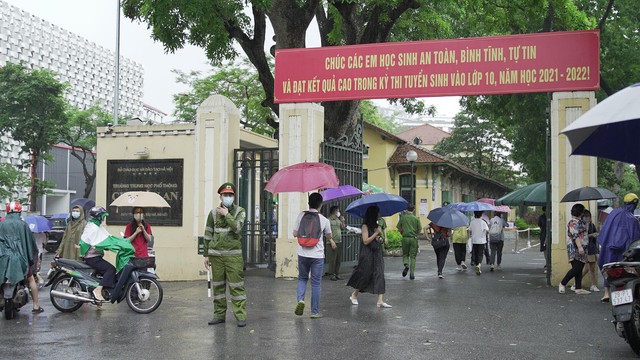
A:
479,230
316,252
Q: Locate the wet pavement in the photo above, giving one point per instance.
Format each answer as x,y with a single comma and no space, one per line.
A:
510,314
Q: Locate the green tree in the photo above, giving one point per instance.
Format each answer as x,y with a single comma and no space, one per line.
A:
32,108
370,114
239,83
81,136
478,144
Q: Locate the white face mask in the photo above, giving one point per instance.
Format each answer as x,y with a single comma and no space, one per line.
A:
227,201
138,217
75,214
338,214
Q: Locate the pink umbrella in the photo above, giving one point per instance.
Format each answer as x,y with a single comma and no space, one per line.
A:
487,201
303,177
502,208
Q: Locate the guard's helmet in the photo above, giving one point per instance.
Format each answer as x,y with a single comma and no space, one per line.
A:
98,212
14,206
630,198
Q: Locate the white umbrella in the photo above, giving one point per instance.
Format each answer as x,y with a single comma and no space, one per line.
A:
140,199
610,129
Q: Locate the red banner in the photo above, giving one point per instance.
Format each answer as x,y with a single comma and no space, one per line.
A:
554,61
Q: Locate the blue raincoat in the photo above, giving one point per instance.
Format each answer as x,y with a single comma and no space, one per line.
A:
618,232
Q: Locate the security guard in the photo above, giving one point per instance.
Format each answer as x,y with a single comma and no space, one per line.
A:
223,251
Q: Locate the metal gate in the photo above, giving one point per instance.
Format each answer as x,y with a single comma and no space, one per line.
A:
345,155
252,168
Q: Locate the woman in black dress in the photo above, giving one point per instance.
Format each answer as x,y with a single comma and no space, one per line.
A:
368,276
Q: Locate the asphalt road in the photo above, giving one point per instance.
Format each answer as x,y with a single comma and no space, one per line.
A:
509,314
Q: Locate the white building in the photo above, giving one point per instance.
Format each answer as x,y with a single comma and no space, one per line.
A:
86,66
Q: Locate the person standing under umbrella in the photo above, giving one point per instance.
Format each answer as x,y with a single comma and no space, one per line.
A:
139,233
479,230
617,233
368,276
576,249
311,258
409,226
334,253
460,240
441,252
496,240
223,250
70,244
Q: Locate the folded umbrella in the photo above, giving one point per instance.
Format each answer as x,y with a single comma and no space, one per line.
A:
448,217
342,192
38,224
303,177
588,193
387,203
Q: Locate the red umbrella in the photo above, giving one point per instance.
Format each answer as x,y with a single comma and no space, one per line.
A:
487,201
303,177
502,208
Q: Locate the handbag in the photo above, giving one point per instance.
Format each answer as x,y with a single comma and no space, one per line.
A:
439,241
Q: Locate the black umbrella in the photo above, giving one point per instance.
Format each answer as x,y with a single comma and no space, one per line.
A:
84,203
588,193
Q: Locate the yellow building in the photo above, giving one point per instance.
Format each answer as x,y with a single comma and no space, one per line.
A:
436,179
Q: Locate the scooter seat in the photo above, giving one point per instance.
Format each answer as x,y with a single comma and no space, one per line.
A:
74,264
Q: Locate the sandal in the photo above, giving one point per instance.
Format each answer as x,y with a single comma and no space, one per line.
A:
38,310
604,300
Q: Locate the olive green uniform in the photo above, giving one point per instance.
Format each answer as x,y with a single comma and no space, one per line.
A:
410,226
223,247
334,256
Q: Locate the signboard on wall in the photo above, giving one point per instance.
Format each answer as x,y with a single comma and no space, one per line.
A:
552,61
164,177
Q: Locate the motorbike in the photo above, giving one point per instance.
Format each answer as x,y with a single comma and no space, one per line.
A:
624,281
12,298
72,283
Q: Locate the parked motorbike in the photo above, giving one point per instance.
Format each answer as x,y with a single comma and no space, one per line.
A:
12,298
624,280
72,283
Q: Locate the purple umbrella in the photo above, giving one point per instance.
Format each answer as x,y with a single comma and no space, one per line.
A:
38,223
340,193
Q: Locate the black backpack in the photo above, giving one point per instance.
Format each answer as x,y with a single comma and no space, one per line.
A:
310,229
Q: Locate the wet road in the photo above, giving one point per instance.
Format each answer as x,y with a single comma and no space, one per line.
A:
510,314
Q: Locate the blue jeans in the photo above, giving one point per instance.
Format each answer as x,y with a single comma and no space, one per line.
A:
315,266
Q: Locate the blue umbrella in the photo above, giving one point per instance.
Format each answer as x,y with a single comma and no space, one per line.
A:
60,216
84,203
477,206
448,217
38,223
388,204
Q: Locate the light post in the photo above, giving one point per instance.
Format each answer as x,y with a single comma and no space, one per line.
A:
412,156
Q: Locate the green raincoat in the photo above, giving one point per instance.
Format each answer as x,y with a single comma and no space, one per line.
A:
18,249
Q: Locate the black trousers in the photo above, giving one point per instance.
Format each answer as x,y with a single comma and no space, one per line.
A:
105,268
460,252
576,271
477,251
441,257
496,250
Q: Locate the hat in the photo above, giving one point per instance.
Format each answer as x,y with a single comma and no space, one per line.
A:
227,188
630,197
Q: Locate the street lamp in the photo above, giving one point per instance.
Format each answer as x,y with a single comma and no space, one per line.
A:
412,156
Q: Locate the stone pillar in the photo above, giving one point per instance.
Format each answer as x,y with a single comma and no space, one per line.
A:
301,133
567,173
217,135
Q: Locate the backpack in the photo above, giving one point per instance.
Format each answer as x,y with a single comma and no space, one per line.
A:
310,229
495,230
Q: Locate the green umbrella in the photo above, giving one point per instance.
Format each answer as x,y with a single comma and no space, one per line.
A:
371,189
534,195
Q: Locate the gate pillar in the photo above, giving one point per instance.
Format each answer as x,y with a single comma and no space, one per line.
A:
217,136
567,173
301,133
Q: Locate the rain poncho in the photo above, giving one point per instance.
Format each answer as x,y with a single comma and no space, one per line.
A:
69,245
618,232
17,249
98,237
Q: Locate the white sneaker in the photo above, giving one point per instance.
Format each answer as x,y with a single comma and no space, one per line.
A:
561,289
573,288
464,266
459,268
594,288
582,292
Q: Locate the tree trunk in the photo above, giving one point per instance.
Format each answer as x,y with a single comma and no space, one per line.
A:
32,193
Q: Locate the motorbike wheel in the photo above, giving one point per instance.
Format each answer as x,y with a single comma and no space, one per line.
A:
146,301
632,327
9,309
69,285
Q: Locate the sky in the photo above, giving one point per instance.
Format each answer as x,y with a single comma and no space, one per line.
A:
95,20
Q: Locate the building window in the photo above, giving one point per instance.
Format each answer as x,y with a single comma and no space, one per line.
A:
467,198
405,187
365,176
446,197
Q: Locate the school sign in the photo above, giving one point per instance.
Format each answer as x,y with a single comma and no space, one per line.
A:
544,62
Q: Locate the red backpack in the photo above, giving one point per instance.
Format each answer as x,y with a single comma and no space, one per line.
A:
310,229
